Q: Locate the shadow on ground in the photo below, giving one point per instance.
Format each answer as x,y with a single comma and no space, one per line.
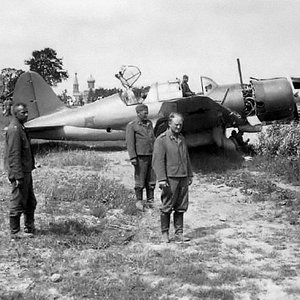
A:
200,232
212,159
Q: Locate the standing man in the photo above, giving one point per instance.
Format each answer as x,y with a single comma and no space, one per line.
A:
186,92
139,141
19,164
172,167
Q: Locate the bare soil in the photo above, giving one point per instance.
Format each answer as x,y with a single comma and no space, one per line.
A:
254,248
249,236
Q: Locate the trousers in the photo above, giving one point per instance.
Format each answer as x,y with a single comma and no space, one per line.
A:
144,176
23,199
175,196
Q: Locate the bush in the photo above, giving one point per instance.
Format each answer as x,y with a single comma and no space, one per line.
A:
280,139
279,148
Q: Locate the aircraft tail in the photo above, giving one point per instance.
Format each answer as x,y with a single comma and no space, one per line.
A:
39,97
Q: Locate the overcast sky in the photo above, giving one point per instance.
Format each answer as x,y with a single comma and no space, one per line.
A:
164,38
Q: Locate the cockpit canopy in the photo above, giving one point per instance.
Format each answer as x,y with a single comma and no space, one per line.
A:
128,75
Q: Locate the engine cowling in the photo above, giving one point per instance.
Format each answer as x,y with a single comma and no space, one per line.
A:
274,99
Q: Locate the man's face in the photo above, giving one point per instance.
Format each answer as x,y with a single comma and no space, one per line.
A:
176,125
22,114
185,79
143,114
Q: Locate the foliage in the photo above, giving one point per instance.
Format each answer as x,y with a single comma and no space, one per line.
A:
281,140
279,151
102,93
285,167
48,65
64,97
10,77
91,96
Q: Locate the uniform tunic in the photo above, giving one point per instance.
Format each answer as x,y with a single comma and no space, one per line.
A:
139,142
171,163
19,162
186,92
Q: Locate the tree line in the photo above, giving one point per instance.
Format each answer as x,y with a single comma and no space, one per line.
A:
46,63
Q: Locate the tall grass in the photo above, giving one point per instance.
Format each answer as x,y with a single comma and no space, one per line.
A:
279,151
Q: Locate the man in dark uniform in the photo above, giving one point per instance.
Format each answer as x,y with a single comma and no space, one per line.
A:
139,141
172,167
19,163
186,92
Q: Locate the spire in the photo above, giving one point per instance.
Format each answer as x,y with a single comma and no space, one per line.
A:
76,79
75,85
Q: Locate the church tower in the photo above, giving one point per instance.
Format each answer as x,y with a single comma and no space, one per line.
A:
76,93
91,83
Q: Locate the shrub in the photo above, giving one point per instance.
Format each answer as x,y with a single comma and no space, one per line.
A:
280,139
279,147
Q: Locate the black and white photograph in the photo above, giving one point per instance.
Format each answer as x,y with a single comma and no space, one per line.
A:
150,149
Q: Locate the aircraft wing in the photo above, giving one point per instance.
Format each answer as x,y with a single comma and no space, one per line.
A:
201,112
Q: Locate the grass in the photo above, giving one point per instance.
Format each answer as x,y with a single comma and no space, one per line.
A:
90,233
258,179
287,168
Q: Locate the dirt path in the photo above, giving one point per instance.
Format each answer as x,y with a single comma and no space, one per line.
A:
239,249
232,234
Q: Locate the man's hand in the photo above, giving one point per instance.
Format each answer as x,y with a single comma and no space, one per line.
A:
190,180
163,184
134,161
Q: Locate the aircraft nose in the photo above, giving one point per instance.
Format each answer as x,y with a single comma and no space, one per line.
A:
274,99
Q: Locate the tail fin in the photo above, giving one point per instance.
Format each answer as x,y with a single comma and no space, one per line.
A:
32,90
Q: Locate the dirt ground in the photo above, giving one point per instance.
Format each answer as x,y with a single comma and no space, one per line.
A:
247,232
228,232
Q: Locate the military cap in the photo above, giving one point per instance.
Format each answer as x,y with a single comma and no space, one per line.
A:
141,107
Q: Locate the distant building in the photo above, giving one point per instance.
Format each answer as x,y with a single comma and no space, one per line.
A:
76,93
83,96
91,83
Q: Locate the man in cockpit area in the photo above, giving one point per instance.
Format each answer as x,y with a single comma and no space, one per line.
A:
186,92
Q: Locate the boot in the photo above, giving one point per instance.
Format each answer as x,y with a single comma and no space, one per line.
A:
150,197
139,199
14,222
178,225
29,222
165,226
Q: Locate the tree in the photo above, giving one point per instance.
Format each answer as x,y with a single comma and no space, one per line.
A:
91,96
48,65
64,97
10,77
102,92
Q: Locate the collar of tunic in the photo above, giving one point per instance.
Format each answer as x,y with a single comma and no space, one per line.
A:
146,124
172,137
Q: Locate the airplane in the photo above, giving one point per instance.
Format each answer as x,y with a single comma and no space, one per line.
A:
206,115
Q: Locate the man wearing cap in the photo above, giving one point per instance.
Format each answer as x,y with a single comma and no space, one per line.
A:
139,142
19,163
186,92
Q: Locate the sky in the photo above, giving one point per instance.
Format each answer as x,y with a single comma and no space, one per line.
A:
164,38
